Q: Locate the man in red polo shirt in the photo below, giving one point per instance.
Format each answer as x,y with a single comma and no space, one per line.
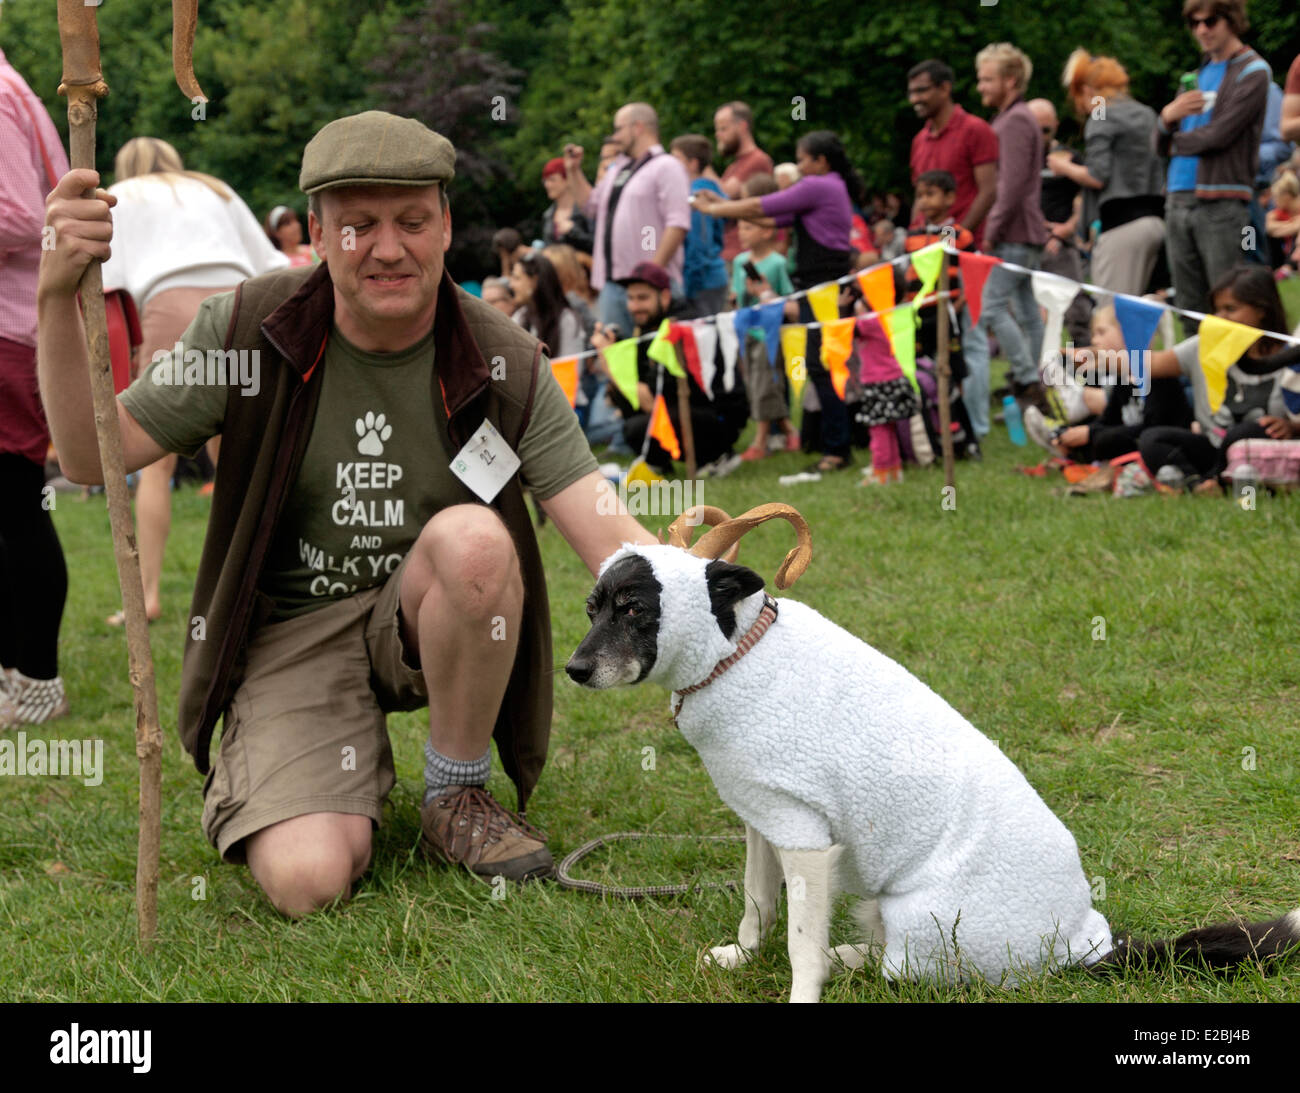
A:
967,148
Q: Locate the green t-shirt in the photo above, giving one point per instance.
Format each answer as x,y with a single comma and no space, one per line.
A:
772,267
375,470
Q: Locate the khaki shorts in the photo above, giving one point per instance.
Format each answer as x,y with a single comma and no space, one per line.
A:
305,731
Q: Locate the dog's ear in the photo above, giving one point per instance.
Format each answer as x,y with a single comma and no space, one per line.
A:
728,585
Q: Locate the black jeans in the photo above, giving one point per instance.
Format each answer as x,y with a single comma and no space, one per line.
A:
33,576
1192,453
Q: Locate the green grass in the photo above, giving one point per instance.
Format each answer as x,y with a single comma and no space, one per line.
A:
1136,741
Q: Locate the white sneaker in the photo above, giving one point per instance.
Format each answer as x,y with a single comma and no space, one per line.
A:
725,464
1040,432
26,701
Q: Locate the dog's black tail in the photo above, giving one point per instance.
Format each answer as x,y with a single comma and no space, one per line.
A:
1222,946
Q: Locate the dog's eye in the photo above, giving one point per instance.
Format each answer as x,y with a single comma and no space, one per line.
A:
632,609
591,609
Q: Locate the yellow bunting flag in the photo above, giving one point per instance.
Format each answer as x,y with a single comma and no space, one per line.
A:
621,361
663,351
927,262
794,346
878,287
1222,343
661,428
901,326
837,344
825,302
565,371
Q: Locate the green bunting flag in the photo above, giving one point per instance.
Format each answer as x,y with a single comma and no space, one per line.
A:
901,325
663,351
621,359
927,262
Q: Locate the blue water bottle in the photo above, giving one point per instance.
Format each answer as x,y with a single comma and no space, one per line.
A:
1015,423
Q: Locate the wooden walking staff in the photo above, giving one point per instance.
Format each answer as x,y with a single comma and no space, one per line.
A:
944,372
84,86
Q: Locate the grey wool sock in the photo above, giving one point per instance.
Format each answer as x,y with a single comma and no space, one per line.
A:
441,772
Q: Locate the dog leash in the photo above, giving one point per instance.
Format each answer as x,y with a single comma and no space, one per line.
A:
653,891
766,617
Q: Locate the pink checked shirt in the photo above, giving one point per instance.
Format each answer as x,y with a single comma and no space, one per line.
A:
657,197
24,186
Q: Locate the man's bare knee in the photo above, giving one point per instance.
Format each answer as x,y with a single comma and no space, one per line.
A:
471,554
306,863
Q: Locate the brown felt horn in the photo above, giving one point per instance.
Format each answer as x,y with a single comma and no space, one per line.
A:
717,539
683,528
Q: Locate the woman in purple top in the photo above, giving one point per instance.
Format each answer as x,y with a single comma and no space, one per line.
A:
820,209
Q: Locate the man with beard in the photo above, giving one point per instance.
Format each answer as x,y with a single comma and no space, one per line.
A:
733,128
716,421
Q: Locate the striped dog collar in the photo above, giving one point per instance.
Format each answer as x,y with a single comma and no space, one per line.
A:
765,619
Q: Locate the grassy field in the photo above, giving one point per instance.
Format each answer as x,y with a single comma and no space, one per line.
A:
1169,747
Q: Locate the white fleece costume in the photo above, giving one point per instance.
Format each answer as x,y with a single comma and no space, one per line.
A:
814,738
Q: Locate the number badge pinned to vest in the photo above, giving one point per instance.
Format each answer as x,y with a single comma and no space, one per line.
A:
486,463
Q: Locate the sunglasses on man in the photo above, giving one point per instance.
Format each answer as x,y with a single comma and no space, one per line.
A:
1210,21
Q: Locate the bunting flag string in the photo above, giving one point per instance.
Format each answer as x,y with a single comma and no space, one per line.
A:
1222,342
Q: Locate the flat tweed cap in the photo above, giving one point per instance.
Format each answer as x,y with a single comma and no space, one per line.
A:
376,148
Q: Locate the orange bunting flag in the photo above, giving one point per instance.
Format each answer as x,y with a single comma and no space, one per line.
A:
565,371
878,287
825,302
661,428
1222,342
837,344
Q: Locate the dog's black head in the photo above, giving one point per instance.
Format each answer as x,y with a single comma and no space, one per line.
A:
627,622
622,644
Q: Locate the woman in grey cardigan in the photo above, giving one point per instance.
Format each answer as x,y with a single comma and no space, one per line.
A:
1122,179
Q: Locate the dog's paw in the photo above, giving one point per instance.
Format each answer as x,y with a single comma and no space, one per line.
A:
728,956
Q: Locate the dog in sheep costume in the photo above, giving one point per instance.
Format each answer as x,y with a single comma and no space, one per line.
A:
849,773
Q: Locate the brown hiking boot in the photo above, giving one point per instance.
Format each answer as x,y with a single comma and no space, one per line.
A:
466,825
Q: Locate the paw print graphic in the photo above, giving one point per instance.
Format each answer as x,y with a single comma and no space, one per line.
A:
373,431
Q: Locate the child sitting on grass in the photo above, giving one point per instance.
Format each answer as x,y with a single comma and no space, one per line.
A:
1129,412
764,379
1253,402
